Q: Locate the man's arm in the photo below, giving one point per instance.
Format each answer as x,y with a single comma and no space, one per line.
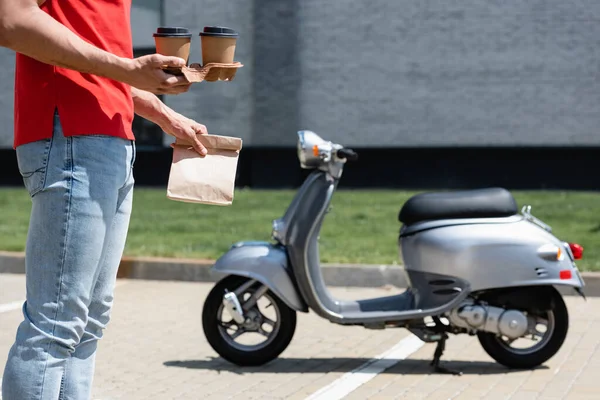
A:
26,29
148,106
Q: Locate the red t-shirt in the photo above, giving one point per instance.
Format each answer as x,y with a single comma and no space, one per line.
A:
87,104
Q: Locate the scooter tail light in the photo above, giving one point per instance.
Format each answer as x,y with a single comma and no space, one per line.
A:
577,250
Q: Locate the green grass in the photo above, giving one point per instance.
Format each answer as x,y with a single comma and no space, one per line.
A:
362,227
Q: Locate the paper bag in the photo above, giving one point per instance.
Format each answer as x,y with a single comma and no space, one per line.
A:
209,179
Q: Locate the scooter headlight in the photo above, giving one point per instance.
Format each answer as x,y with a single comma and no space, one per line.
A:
310,149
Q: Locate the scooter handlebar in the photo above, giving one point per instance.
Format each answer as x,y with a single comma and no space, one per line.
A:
348,154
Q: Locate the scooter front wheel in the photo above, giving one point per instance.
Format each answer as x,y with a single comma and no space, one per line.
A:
548,336
266,332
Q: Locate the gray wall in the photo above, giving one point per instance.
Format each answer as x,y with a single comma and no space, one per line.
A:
394,73
145,17
407,73
7,73
439,72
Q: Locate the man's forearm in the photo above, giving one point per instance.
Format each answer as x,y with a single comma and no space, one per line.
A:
28,30
148,106
171,122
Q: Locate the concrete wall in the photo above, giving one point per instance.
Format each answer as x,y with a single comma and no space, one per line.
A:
438,72
7,73
405,73
145,17
393,73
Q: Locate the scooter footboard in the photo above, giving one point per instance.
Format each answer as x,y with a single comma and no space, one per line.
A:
266,263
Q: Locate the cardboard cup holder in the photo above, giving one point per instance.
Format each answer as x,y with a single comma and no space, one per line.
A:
210,72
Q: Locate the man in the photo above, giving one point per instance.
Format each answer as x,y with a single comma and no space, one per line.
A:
76,91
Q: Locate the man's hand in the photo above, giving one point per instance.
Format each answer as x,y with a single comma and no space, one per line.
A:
145,73
186,129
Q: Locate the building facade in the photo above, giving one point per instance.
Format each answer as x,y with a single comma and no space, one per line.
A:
452,94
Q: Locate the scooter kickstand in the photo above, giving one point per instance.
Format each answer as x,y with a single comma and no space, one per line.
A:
439,350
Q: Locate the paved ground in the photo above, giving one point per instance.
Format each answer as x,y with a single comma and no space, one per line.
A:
155,349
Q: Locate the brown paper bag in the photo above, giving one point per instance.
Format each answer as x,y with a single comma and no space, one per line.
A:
206,180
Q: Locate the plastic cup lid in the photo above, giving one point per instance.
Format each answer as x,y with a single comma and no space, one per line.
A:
172,31
218,31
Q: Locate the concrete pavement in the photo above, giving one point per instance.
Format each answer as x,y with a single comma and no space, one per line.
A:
154,348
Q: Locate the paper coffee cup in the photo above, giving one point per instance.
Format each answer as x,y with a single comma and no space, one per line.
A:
218,44
173,41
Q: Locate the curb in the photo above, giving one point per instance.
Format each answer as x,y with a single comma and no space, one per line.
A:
198,270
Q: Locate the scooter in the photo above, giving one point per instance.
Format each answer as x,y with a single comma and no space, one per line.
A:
473,263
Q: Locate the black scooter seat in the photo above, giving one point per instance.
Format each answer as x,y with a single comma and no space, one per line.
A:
480,203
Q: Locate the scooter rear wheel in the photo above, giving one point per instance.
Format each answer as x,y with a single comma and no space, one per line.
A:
222,333
548,344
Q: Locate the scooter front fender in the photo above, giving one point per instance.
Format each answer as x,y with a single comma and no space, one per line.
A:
266,263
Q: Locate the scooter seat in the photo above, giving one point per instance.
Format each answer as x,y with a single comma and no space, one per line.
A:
480,203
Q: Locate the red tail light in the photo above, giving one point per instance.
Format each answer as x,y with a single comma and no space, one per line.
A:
577,251
566,274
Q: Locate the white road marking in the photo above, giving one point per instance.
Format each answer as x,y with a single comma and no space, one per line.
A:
369,370
17,305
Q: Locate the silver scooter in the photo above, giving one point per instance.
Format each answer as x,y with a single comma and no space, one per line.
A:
473,264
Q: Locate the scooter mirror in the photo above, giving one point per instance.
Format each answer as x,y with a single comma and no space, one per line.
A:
310,149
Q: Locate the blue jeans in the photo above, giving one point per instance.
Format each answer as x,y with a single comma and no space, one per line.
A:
81,189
